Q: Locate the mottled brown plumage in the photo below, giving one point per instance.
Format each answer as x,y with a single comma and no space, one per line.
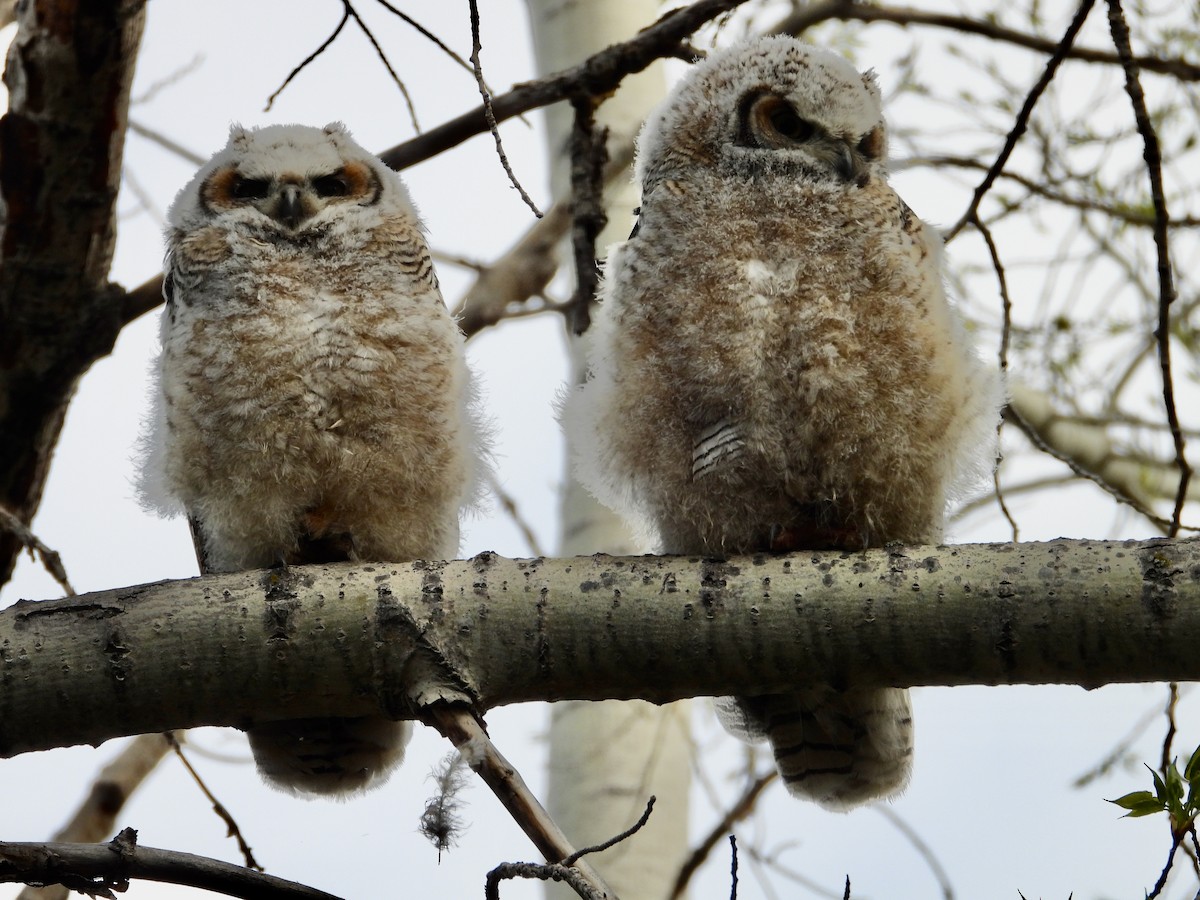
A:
314,398
777,367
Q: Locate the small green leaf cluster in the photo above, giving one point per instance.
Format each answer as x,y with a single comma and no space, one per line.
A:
1175,793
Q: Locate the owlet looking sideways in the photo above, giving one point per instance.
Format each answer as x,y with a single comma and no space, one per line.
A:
313,400
776,365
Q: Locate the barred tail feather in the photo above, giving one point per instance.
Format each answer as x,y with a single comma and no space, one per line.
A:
837,748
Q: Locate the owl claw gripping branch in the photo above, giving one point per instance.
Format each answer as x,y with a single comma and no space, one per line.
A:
314,400
777,366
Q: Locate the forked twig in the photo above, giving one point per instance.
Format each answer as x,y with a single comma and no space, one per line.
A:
49,558
458,724
1022,119
232,826
489,113
1166,283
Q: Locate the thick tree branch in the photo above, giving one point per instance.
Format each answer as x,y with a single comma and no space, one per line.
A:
358,639
68,73
596,76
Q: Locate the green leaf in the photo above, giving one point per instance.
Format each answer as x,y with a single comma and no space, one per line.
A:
1192,770
1136,798
1148,808
1160,789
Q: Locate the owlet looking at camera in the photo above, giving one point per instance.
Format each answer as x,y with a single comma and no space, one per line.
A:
314,401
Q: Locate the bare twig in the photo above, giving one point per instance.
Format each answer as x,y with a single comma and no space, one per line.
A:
563,871
101,868
170,79
231,825
1120,751
489,113
597,75
1121,213
308,59
1022,119
1005,336
1176,840
741,808
733,867
49,558
922,848
1037,425
1169,737
526,268
1166,283
853,10
509,505
96,816
588,156
460,726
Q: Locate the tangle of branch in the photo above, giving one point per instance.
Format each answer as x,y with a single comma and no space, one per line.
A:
1022,119
1166,285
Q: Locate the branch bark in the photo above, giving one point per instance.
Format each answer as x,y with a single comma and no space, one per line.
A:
98,869
355,639
68,73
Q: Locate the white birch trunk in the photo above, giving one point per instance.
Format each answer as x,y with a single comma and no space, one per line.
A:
607,758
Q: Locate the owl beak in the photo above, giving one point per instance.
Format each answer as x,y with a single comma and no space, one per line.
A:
290,208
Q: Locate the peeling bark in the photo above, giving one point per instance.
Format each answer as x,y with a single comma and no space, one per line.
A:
68,72
354,639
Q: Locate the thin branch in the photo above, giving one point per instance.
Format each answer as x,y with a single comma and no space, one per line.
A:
1176,840
563,871
1122,750
1114,211
230,823
1166,284
922,848
526,268
733,867
1169,737
102,868
588,156
1022,119
312,56
460,726
429,35
613,841
412,110
1005,337
170,79
1039,434
509,505
489,113
96,816
853,10
50,559
741,808
599,74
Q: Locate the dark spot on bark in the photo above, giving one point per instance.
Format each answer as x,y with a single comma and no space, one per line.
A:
1007,645
1159,570
588,586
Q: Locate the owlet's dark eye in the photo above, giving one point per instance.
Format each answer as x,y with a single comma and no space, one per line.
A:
788,124
332,185
250,188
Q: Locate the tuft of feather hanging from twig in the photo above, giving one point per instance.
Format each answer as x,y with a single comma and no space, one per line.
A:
441,821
